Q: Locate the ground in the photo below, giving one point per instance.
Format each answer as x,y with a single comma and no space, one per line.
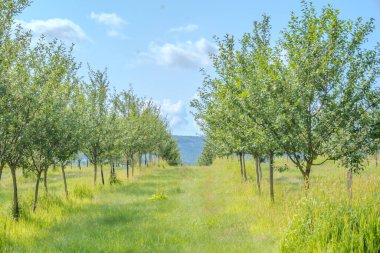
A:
173,209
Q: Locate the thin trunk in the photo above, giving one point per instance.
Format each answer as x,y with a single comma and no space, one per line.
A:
95,171
15,211
258,174
133,166
1,169
127,168
271,176
244,168
64,180
87,163
146,161
349,183
260,170
71,164
101,173
36,191
79,161
306,176
54,166
45,178
241,165
375,160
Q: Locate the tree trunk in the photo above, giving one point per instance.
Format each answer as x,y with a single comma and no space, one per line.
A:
127,168
45,178
260,170
95,171
146,161
133,166
306,176
375,160
36,191
244,168
241,165
271,176
79,161
64,180
87,163
15,211
1,169
258,174
349,183
101,173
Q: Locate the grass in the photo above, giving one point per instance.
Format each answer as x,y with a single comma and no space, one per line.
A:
195,209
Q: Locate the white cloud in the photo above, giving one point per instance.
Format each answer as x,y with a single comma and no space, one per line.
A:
187,28
114,23
62,29
109,19
187,55
174,112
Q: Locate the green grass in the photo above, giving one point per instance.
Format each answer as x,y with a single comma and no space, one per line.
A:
195,209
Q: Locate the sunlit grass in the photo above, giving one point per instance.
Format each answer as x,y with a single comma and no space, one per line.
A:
195,209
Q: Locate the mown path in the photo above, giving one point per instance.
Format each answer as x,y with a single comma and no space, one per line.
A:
202,213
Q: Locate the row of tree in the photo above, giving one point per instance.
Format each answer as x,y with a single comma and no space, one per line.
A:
312,95
48,114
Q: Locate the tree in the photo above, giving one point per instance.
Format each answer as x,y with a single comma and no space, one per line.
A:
327,85
20,106
128,105
95,118
207,156
69,139
53,80
230,107
11,49
113,142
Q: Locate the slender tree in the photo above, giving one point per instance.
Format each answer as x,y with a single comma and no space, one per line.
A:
95,119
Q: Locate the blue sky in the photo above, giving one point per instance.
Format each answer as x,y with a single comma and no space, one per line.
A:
158,47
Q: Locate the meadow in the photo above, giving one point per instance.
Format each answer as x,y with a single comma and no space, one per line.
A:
195,209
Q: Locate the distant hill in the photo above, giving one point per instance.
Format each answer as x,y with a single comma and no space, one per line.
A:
190,148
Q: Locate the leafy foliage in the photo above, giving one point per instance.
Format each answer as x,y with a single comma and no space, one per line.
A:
48,115
311,95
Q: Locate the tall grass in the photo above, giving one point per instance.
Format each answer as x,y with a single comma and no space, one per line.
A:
334,227
327,220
